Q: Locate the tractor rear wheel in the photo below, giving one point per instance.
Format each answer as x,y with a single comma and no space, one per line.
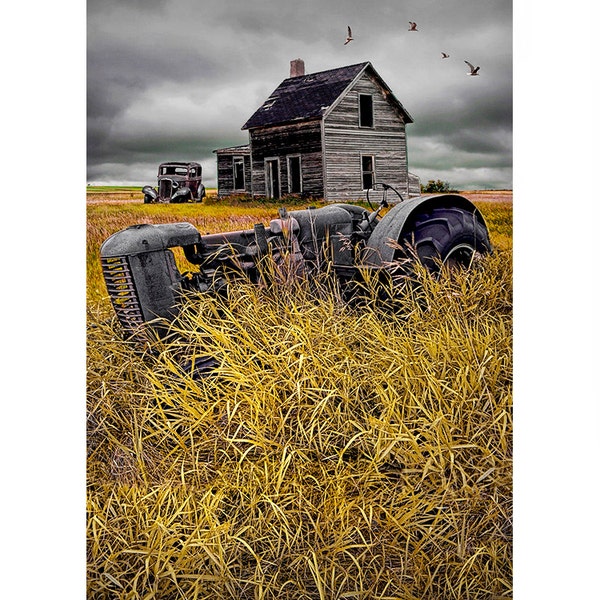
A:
450,236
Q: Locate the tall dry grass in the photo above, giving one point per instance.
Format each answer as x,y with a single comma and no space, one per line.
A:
339,450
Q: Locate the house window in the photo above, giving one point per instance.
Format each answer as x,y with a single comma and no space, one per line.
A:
238,173
368,172
294,175
365,110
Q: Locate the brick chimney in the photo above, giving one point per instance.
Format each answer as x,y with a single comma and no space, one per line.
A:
296,67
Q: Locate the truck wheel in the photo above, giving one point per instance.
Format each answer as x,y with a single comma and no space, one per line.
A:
200,194
449,236
147,199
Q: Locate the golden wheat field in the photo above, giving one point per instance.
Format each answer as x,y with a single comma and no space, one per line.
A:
339,450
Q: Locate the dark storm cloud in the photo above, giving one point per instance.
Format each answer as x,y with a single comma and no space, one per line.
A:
176,79
479,123
105,6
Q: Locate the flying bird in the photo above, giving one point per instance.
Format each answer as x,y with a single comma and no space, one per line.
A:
349,38
474,70
413,26
444,55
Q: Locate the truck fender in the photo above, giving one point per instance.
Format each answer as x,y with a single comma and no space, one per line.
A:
381,247
150,194
183,194
201,193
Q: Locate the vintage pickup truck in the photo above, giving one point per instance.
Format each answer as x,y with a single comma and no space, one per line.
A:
177,182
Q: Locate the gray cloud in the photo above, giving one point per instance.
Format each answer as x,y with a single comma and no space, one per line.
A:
176,79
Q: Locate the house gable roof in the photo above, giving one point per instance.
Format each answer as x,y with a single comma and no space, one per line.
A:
243,149
311,96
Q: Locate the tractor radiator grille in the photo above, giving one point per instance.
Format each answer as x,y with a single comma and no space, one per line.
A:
122,292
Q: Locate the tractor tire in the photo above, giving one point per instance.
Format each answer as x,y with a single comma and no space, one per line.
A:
449,236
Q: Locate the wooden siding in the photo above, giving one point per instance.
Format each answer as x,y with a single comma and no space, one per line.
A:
345,142
225,173
414,185
297,139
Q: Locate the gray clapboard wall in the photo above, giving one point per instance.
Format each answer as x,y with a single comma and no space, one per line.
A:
345,142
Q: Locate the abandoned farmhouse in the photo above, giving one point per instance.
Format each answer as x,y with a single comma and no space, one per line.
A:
331,135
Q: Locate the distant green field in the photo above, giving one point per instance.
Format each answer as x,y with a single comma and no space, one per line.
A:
113,188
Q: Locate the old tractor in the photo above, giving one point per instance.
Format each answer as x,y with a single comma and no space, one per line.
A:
177,182
145,283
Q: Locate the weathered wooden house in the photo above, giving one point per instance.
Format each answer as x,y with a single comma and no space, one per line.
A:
233,170
330,135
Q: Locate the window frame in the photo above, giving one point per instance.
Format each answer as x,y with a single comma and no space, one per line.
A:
235,161
363,171
272,159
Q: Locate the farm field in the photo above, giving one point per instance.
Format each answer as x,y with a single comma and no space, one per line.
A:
119,195
112,209
122,194
338,451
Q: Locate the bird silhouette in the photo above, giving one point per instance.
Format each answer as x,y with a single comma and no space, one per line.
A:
413,26
349,38
474,70
444,55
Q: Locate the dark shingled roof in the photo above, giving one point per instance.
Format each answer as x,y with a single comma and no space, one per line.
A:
309,96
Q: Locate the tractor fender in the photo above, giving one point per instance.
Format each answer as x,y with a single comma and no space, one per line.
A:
379,250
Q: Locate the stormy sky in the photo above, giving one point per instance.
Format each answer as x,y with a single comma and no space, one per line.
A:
177,79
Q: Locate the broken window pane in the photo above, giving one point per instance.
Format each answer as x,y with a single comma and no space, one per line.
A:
238,173
368,172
